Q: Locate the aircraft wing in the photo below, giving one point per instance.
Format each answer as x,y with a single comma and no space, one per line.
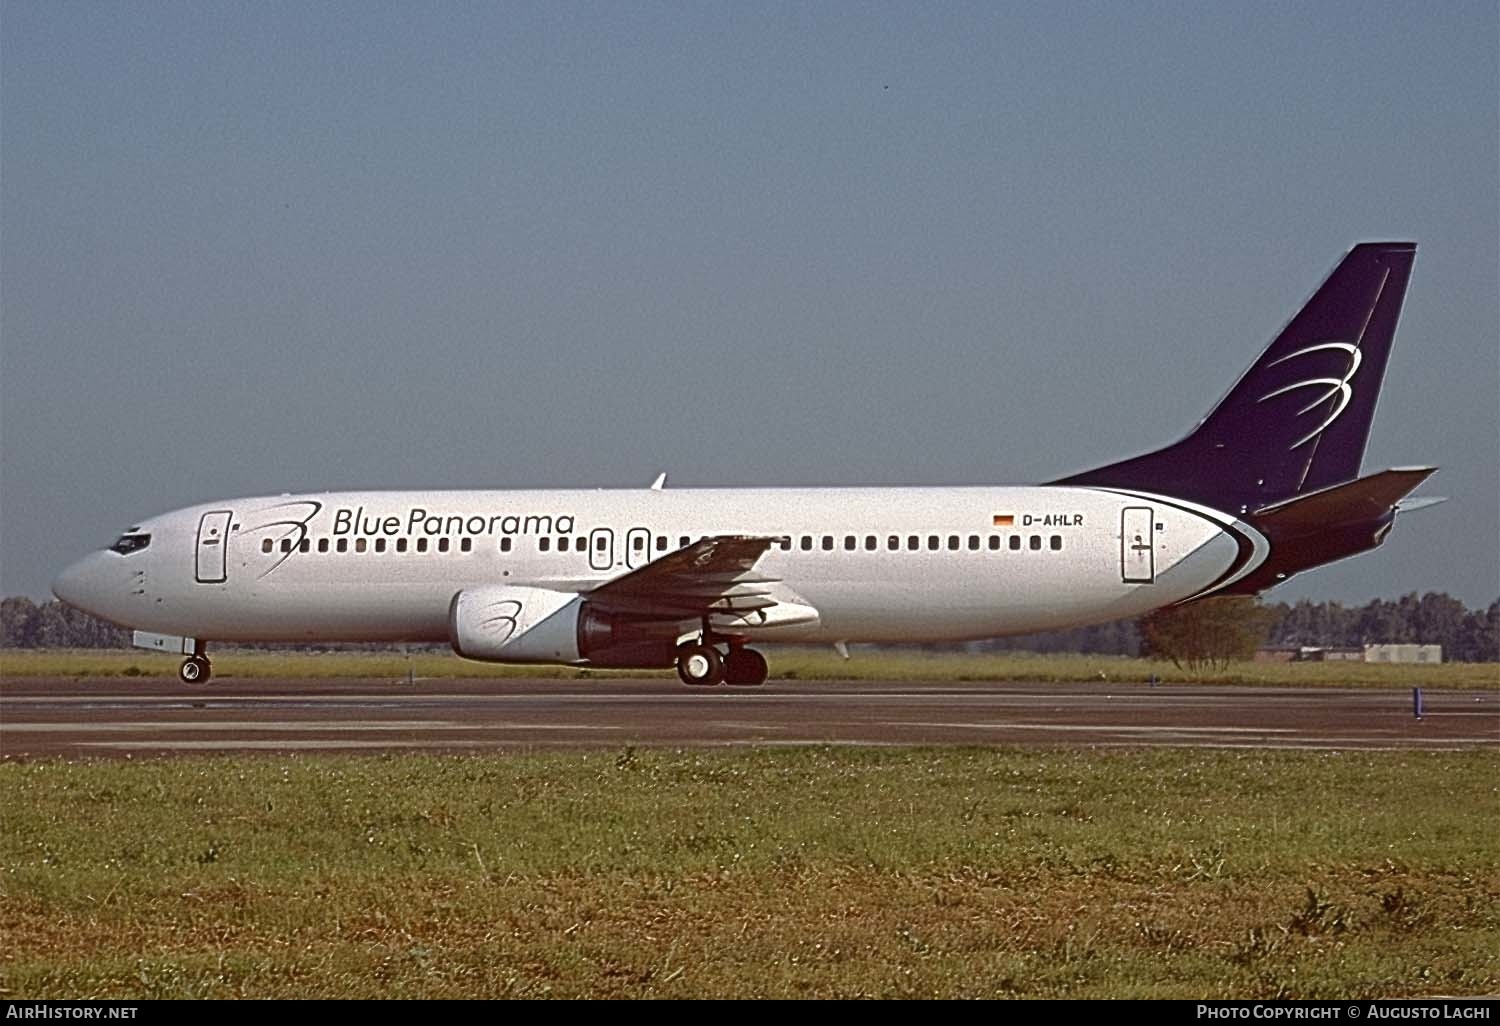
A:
715,577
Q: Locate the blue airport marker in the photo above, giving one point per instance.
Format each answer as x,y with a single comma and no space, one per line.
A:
1416,702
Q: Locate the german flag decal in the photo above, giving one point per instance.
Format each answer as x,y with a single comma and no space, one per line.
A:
1004,520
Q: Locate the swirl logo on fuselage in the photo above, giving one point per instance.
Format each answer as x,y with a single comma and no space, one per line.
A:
1333,388
294,529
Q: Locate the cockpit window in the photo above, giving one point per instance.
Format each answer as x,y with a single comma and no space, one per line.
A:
129,543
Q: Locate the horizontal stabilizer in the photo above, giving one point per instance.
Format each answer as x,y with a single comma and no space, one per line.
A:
1368,498
1412,505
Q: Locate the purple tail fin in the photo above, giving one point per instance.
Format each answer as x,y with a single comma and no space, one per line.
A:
1299,418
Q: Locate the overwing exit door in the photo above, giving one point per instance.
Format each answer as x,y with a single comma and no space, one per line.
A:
637,547
1138,545
213,546
601,549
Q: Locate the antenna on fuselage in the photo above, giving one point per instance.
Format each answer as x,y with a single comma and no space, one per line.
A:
660,482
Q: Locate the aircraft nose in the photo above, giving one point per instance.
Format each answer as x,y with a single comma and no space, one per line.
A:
85,585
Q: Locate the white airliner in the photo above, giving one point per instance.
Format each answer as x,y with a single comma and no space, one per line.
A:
1266,486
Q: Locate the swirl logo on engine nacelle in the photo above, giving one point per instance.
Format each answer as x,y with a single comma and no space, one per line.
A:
504,619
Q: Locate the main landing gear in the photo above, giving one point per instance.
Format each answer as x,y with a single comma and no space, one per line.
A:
700,664
195,669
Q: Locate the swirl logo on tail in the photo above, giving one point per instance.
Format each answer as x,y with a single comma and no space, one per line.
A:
1332,387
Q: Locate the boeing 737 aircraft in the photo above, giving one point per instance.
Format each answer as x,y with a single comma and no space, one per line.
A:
1265,487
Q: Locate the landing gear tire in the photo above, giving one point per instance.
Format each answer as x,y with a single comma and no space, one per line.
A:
700,666
745,667
194,670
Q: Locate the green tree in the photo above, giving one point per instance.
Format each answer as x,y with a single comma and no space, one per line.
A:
1210,633
24,624
18,618
1479,639
1440,621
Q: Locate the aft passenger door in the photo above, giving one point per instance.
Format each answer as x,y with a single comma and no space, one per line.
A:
1138,545
213,546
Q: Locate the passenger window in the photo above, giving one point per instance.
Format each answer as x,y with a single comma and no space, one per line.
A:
343,544
599,543
421,545
1015,542
360,545
973,543
1036,543
286,545
1057,543
442,544
953,542
934,542
544,543
305,545
994,542
869,543
913,542
661,543
400,544
267,545
637,543
323,544
893,543
562,544
681,544
467,544
828,543
806,542
849,543
505,544
379,544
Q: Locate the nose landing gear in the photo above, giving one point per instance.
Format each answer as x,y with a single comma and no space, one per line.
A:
195,669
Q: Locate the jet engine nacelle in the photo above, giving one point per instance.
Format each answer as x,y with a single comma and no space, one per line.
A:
514,624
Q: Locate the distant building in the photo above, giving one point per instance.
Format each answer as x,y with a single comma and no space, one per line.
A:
1342,655
1346,654
1403,653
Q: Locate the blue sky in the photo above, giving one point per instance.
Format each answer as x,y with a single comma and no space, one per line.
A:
251,248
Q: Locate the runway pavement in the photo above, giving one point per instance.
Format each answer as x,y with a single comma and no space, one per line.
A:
111,717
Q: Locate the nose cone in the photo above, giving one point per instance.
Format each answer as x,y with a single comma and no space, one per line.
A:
88,585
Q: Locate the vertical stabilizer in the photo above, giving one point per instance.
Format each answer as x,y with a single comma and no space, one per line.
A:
1299,418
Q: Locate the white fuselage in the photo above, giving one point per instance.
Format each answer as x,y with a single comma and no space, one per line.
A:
877,564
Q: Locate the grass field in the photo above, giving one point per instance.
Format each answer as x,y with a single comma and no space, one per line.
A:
786,664
828,872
